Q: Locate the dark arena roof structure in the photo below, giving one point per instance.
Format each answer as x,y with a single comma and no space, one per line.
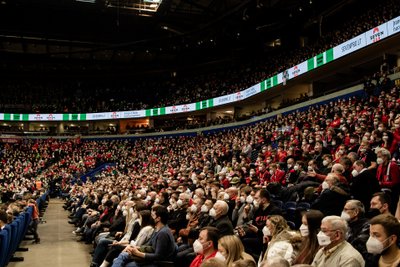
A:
152,34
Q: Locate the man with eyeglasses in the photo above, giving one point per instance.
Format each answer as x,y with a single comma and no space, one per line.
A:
358,231
336,251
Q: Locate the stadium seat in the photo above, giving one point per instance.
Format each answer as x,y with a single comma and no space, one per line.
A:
277,203
289,204
4,247
303,205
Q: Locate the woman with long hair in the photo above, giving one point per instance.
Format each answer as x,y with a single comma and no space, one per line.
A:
283,242
311,223
231,249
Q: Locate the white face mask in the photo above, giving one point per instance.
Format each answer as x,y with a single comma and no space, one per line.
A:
249,199
226,196
379,161
204,208
374,246
157,201
323,239
219,256
296,167
304,230
212,213
179,202
325,162
354,173
193,208
188,216
345,216
198,247
266,231
242,199
325,185
256,204
125,213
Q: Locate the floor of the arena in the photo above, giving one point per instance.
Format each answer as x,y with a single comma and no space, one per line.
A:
58,246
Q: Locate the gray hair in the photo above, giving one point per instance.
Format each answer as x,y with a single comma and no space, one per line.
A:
224,206
337,223
358,205
384,152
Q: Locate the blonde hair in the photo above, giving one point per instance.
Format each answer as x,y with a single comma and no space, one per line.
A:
234,249
213,262
279,224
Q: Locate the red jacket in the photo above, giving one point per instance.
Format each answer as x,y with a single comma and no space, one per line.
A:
388,179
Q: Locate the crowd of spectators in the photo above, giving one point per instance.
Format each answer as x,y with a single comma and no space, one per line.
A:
73,96
319,187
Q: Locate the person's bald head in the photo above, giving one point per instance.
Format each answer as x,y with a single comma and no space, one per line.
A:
276,262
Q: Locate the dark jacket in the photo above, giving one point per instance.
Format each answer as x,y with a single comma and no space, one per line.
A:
331,201
223,224
364,186
261,215
358,235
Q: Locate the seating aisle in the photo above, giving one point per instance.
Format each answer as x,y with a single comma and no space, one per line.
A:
58,245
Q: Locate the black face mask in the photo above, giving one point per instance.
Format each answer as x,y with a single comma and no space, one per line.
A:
372,213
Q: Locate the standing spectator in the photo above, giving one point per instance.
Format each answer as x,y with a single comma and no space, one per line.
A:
388,175
364,183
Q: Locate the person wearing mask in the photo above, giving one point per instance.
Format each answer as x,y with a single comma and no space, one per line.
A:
276,175
231,249
251,234
206,246
388,175
178,219
358,226
326,164
282,242
244,209
230,196
311,223
380,203
161,242
383,239
146,225
335,250
364,183
332,198
220,220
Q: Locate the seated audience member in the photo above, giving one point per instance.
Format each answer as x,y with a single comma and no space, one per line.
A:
335,251
311,223
282,242
332,198
220,220
380,203
388,175
146,230
3,219
252,233
231,249
358,226
364,183
161,244
206,246
384,236
244,209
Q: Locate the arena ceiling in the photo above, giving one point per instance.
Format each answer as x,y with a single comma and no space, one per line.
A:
113,31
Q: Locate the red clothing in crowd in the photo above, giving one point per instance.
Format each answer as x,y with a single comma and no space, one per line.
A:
200,258
278,177
388,178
